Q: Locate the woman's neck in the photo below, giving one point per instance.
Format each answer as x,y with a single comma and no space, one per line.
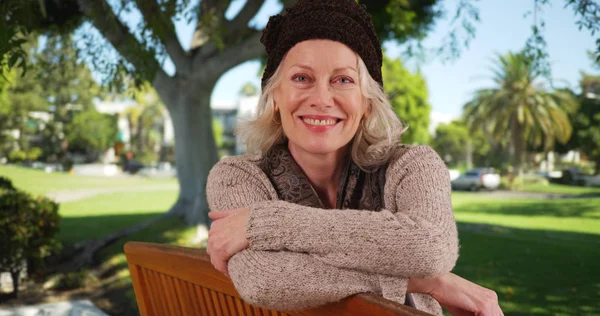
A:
323,171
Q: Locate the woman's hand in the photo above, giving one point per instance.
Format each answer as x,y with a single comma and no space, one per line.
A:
458,296
227,236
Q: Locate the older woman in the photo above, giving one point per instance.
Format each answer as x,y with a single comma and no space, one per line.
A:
330,204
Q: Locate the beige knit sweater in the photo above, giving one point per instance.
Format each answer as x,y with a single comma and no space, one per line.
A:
301,257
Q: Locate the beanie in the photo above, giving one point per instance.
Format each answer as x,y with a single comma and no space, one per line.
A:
344,21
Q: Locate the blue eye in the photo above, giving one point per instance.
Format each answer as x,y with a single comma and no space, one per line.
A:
300,78
345,80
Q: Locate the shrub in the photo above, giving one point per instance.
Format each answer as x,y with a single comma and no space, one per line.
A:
17,156
34,153
73,280
5,183
513,184
27,229
519,183
534,179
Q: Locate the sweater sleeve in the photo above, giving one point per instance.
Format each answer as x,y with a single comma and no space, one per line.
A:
284,280
414,237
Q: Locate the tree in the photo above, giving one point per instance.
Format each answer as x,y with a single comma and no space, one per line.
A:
146,123
218,45
68,88
450,142
24,94
91,132
408,95
520,107
248,90
586,121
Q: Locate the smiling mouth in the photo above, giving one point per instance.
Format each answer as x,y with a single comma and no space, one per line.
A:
316,122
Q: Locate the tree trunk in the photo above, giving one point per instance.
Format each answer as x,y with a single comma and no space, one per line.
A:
15,280
518,144
195,148
469,154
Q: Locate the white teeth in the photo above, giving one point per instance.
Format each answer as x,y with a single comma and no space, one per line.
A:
319,122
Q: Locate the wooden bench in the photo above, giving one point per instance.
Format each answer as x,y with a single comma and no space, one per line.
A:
171,280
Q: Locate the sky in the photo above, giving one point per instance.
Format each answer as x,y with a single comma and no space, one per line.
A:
503,27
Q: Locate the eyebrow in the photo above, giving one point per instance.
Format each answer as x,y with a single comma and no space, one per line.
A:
335,70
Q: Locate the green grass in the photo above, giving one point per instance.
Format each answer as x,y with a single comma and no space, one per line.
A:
540,256
102,214
38,182
560,189
570,215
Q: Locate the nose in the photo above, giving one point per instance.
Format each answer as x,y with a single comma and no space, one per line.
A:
322,97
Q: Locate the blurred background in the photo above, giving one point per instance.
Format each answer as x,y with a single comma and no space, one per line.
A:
112,113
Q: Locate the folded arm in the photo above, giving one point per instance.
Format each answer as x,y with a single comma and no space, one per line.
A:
286,280
414,237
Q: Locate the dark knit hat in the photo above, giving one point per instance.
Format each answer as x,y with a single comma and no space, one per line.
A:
344,21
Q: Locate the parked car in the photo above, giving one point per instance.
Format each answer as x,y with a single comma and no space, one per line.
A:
476,179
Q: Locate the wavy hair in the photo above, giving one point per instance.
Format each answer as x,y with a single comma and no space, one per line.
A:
373,144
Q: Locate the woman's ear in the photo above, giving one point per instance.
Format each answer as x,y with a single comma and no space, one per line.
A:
369,108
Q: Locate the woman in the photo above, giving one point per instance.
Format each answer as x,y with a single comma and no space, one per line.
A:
331,204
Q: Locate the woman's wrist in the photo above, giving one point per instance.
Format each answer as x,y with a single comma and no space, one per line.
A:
423,286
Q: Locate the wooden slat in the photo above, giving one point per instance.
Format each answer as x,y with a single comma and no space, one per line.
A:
167,294
225,308
140,289
150,304
231,305
201,302
210,302
196,306
156,295
181,297
217,303
248,309
240,307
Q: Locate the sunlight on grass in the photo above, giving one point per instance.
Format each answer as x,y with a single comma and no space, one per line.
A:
38,182
120,204
103,214
560,189
571,215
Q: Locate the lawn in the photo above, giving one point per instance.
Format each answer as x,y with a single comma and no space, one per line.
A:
540,256
102,214
560,189
38,182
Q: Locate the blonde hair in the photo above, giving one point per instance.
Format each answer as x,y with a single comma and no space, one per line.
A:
373,144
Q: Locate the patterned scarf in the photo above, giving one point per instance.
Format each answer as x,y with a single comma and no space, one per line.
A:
359,190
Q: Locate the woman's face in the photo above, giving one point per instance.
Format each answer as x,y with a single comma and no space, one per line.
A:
319,96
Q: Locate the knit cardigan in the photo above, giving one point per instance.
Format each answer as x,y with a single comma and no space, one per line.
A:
301,257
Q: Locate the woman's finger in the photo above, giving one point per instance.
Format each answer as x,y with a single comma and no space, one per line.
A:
220,215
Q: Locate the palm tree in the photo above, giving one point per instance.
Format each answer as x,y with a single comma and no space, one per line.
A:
520,107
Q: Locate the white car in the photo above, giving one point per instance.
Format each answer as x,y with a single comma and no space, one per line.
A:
476,179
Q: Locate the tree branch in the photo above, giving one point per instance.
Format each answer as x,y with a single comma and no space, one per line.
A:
164,29
216,8
249,10
105,20
248,49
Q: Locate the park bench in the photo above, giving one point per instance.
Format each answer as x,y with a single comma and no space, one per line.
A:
172,280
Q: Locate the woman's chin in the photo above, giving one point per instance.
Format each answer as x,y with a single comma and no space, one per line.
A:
321,148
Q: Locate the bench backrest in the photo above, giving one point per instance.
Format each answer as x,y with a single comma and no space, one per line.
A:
171,280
